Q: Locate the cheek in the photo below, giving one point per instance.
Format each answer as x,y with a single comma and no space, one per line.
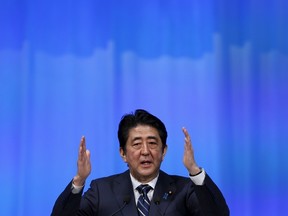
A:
158,155
132,156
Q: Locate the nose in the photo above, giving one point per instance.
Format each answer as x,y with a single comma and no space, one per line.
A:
145,149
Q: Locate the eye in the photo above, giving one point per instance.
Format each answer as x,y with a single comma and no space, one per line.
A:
136,145
153,144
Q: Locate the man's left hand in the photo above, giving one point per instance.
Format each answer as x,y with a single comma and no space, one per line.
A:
188,158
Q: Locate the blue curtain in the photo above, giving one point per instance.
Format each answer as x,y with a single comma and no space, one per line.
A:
73,68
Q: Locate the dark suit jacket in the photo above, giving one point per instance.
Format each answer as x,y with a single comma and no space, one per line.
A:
173,196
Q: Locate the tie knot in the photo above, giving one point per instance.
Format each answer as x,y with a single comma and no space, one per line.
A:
144,188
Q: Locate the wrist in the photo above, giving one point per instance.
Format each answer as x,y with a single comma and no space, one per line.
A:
78,181
195,171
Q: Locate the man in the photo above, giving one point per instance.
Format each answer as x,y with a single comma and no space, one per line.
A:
144,189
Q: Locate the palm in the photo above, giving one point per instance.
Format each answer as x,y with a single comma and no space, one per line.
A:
83,162
188,158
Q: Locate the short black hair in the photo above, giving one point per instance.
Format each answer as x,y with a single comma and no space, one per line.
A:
140,117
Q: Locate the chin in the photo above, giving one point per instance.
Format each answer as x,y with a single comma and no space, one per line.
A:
148,173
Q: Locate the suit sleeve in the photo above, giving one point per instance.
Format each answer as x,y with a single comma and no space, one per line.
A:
211,200
67,203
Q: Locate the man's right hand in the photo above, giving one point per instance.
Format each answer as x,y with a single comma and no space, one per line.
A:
83,164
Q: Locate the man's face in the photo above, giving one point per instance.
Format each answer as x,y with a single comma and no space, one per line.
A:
144,152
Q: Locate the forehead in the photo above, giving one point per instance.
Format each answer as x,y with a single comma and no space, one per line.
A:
143,131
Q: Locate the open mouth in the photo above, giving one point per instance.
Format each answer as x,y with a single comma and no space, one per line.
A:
146,163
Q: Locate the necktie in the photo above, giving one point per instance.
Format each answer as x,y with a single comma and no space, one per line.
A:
143,203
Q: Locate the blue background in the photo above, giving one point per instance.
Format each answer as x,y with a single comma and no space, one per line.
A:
73,68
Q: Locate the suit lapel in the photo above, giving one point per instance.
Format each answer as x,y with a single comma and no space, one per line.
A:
122,187
163,194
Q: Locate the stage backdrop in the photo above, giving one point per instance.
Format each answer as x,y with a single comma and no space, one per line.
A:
72,68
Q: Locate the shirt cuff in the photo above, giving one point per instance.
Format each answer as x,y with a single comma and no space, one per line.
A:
76,189
199,179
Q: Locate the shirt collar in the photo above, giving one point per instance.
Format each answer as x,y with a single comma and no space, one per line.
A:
136,183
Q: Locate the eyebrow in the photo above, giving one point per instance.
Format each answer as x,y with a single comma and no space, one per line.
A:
149,137
152,137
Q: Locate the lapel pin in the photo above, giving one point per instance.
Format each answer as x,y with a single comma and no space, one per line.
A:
165,196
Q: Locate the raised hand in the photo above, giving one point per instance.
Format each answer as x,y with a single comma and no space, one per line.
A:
83,164
188,158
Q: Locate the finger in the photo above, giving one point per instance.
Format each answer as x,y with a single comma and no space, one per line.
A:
83,141
88,155
188,142
186,134
82,148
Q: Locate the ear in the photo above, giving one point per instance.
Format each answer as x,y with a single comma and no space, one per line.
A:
164,152
122,154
